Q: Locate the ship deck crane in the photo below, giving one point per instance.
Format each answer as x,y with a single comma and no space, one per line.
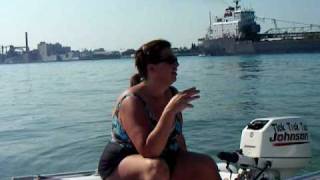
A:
296,26
275,23
297,30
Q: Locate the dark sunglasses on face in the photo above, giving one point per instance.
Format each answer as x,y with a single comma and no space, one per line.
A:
169,60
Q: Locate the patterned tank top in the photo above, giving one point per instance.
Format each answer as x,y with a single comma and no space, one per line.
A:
120,136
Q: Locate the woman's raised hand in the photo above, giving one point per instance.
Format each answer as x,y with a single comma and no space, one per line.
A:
182,100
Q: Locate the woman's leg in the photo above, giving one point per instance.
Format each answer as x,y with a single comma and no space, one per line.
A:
136,167
190,165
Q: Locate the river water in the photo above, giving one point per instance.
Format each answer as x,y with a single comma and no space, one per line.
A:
56,117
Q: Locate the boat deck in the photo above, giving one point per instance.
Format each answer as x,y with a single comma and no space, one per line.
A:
92,175
310,176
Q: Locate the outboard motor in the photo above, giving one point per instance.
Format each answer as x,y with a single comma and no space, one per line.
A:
270,148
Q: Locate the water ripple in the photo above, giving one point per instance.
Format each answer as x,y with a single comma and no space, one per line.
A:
57,118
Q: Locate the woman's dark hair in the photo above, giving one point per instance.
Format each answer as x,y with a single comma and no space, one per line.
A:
149,53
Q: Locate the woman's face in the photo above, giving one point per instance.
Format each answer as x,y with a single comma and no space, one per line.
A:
166,71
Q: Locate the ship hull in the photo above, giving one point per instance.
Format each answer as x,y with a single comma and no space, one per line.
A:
229,46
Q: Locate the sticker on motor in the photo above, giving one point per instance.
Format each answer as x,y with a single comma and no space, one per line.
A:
289,133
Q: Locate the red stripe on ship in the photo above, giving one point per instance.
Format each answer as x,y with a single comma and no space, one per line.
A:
288,144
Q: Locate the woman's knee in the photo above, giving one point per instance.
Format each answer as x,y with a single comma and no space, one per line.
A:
157,169
209,166
208,163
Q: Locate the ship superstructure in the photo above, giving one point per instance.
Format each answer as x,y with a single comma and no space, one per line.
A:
236,23
238,32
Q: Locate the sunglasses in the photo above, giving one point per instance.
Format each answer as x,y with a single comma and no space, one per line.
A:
169,60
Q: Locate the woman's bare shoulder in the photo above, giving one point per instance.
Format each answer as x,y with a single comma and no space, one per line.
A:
135,90
131,101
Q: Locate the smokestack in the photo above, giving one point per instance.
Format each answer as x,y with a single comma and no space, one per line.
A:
2,55
27,46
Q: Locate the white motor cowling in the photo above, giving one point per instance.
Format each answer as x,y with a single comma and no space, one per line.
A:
283,142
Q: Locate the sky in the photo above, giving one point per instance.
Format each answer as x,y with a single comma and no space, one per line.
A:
123,24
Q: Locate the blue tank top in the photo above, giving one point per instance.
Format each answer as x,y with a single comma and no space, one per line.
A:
120,136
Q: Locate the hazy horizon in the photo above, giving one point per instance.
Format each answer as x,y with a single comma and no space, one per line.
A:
119,25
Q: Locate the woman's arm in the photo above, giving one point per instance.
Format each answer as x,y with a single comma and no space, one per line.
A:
151,142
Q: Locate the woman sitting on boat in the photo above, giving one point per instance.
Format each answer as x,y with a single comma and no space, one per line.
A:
147,139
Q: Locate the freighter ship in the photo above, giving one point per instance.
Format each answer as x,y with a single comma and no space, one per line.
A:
238,32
